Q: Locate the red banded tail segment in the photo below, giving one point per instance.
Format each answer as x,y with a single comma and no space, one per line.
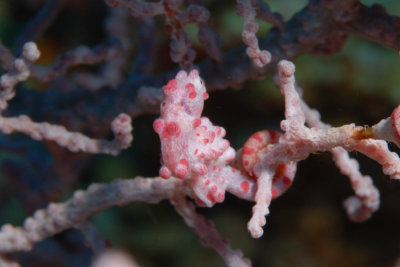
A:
285,172
254,144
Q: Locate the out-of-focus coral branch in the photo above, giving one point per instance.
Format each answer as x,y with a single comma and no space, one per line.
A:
145,60
180,48
19,72
38,25
78,56
6,57
208,36
115,61
58,217
373,23
300,35
208,233
114,258
265,14
6,263
93,238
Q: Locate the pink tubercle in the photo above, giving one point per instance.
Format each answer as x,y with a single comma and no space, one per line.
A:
158,125
170,87
165,172
173,129
182,168
196,123
181,171
192,94
189,86
245,187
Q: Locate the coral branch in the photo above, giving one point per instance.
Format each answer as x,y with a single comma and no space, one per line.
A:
176,19
7,263
197,160
19,72
114,258
40,22
299,141
208,233
6,57
263,199
78,56
74,141
366,200
111,73
264,13
259,57
58,217
93,238
301,35
373,23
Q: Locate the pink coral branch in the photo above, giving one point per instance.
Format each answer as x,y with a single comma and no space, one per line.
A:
366,200
378,150
299,141
193,149
74,141
263,200
259,57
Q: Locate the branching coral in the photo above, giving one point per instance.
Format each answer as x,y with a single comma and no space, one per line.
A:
191,149
198,164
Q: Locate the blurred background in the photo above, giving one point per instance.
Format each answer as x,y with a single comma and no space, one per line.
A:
307,226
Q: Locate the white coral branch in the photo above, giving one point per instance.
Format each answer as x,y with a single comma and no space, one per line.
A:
61,216
74,141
